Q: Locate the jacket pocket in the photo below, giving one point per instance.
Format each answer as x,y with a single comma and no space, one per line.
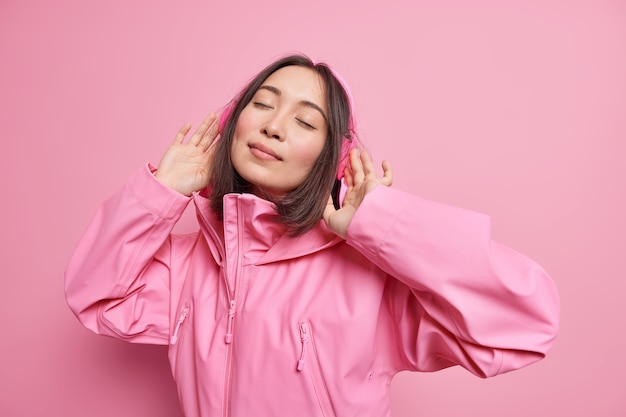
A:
309,360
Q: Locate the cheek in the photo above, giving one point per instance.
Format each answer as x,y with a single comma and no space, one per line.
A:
244,124
308,151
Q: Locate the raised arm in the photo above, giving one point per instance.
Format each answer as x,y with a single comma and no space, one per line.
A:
118,279
456,296
464,299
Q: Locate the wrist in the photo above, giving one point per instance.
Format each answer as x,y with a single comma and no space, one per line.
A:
169,183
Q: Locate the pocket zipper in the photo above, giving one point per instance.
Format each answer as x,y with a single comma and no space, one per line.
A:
181,319
305,338
321,390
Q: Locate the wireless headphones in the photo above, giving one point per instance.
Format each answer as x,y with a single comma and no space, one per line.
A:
349,141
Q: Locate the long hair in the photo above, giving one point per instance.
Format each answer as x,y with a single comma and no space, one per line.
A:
301,208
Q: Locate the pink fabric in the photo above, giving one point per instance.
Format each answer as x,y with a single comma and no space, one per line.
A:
353,141
262,324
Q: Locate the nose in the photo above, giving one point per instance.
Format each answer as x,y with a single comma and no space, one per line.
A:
273,128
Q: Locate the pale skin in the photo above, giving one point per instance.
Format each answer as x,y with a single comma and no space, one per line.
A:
281,132
184,167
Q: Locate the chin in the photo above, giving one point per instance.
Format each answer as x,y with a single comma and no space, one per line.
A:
261,189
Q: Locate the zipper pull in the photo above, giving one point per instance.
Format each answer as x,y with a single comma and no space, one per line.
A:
181,318
304,338
229,328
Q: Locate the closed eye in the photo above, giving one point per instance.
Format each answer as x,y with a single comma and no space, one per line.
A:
261,105
306,125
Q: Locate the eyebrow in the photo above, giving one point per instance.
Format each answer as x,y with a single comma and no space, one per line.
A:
306,103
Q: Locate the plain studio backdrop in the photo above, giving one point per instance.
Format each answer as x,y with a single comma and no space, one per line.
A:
512,108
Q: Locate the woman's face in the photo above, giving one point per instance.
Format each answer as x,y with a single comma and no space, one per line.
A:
281,131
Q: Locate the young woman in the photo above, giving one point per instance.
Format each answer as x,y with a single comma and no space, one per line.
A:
298,296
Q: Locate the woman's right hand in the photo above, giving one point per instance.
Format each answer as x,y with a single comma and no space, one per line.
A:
185,166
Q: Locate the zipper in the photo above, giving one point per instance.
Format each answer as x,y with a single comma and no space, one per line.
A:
305,339
231,317
232,309
181,319
308,356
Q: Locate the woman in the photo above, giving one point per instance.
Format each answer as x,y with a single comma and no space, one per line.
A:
290,302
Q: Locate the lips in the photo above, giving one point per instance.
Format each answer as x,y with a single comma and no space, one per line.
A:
263,152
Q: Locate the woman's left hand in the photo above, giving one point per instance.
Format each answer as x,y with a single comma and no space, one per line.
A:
360,179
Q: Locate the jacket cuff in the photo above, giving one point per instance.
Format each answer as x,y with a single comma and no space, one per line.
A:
374,220
154,196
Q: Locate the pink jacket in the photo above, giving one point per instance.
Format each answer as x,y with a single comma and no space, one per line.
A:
260,324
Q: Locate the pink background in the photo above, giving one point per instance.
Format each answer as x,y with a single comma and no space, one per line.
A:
512,108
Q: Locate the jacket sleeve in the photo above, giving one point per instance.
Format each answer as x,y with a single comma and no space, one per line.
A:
117,282
456,296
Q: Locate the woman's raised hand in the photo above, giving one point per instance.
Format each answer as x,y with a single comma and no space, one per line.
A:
360,179
184,167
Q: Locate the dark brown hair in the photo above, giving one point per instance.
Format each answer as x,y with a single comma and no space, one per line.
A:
301,208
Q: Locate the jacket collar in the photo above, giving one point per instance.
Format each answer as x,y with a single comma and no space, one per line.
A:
249,227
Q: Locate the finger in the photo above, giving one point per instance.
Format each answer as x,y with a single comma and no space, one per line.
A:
202,129
387,178
368,165
180,136
209,136
347,175
357,167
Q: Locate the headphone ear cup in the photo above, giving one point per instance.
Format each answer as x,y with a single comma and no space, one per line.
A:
335,194
348,143
344,159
